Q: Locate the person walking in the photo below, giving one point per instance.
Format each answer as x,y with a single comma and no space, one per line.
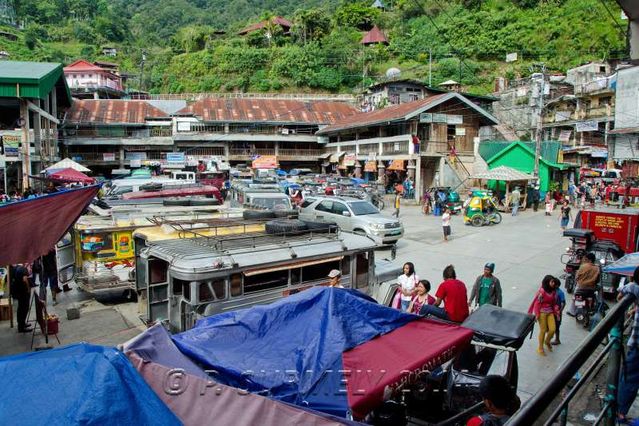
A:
548,201
535,198
421,297
487,288
453,293
561,297
565,215
426,200
545,307
515,197
398,199
446,223
407,283
629,381
50,275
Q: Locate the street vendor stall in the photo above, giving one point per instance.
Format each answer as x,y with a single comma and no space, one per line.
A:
512,178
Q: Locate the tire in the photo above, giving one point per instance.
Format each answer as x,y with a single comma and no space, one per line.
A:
258,214
204,202
291,214
570,284
176,202
495,218
284,226
321,227
477,220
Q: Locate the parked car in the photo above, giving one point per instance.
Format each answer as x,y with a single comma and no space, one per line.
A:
353,215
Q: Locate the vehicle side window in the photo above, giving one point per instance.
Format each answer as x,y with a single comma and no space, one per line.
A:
339,208
325,206
236,285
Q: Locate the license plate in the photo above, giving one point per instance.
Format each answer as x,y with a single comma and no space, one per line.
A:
392,234
580,303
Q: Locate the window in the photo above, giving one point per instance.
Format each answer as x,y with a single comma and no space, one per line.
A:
346,265
307,202
319,271
361,208
325,206
339,209
157,270
602,69
236,285
212,290
178,286
296,276
265,281
95,243
361,278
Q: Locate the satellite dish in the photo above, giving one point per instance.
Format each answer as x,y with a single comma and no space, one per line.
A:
393,73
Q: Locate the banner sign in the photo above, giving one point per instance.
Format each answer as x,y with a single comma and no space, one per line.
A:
349,160
587,126
175,157
264,162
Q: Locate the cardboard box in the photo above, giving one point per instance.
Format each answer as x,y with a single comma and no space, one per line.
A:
5,311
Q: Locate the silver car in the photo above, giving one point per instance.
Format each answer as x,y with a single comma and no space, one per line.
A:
353,215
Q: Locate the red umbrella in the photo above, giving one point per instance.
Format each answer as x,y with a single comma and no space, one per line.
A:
70,175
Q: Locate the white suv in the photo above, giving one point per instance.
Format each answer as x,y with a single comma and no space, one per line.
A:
352,215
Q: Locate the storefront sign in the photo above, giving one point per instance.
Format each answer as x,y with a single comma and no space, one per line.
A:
460,131
440,118
425,117
396,165
11,145
587,126
454,119
108,156
135,156
349,160
564,135
370,166
135,163
265,162
175,157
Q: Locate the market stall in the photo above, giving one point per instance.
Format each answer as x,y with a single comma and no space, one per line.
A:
512,179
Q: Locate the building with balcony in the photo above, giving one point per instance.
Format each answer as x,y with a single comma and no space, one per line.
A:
91,81
112,134
432,140
625,135
241,129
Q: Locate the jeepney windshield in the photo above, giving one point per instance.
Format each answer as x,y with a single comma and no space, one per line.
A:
272,203
361,208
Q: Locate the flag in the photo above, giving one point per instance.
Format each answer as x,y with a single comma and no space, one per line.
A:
30,228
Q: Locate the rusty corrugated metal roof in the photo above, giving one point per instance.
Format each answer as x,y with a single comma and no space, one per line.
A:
395,112
276,20
112,111
375,35
269,110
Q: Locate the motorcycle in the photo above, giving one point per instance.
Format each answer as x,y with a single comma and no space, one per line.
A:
589,307
572,260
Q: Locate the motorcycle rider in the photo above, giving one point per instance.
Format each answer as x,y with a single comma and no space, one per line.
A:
586,278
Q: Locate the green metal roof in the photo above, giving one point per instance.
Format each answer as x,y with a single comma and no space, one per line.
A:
530,147
549,149
33,80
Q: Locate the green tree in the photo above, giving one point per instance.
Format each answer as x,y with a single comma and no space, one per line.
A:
358,14
311,24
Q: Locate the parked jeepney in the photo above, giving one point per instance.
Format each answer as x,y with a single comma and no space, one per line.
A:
99,252
248,194
187,271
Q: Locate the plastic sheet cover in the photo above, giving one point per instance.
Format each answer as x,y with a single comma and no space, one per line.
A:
291,350
77,384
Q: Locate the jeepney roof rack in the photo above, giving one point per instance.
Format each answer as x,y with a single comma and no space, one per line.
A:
200,231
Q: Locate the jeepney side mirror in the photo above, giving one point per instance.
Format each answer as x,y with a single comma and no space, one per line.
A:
347,214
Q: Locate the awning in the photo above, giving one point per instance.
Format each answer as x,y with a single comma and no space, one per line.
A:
624,266
397,165
68,163
70,176
252,272
370,166
502,173
325,155
335,157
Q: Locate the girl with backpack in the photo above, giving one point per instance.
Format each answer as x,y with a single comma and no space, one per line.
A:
545,307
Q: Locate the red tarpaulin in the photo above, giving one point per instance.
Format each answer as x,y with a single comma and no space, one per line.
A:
31,228
70,175
396,357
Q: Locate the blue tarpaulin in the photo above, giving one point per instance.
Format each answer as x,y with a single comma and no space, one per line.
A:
77,384
624,266
264,348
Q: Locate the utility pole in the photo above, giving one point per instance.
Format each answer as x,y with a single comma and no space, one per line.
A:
430,66
142,71
540,81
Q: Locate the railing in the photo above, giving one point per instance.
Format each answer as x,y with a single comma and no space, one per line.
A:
248,129
239,152
93,156
119,132
535,409
286,152
292,96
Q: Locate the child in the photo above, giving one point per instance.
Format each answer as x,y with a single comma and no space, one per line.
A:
446,223
561,298
549,206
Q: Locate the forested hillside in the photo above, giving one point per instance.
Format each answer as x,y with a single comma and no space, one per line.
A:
186,51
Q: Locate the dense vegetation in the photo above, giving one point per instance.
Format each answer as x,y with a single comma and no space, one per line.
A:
185,52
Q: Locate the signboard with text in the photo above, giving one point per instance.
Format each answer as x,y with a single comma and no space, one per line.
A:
265,162
587,126
175,157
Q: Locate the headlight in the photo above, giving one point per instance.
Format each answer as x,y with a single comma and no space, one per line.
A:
377,225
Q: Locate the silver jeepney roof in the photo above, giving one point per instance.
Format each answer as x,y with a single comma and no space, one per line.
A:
191,258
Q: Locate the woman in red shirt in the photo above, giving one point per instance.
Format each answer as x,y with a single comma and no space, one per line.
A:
545,307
